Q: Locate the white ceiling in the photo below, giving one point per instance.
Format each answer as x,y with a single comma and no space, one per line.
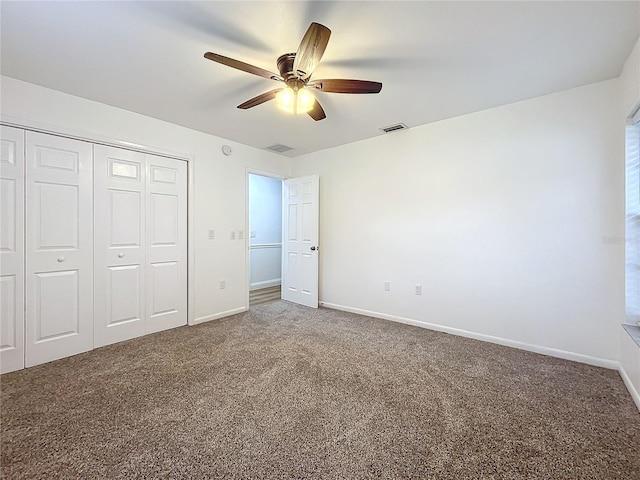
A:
436,60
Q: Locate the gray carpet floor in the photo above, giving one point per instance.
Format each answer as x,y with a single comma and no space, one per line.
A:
284,391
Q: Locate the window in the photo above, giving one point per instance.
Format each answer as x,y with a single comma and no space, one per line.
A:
632,208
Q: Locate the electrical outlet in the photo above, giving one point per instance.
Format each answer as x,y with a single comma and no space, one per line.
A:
233,235
418,289
212,234
240,234
387,286
223,284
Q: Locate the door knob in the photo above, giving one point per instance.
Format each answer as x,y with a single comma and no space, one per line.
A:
120,255
313,248
61,259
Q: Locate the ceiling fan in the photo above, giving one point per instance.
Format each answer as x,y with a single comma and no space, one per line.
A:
295,72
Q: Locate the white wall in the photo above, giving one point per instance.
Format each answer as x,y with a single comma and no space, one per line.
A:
265,226
629,351
511,219
219,193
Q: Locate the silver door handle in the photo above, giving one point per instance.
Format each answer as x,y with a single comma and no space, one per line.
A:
60,259
120,255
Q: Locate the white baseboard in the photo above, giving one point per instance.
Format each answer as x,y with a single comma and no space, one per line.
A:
552,352
216,316
274,282
632,389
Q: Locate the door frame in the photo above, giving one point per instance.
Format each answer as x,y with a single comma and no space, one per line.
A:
247,236
29,125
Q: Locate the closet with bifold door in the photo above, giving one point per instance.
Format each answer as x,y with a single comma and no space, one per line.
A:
140,240
93,246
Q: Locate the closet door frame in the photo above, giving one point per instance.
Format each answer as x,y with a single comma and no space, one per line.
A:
30,125
39,127
140,248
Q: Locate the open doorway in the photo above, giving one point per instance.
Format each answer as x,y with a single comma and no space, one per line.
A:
265,238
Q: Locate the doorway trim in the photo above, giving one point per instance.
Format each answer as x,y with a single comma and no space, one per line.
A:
247,237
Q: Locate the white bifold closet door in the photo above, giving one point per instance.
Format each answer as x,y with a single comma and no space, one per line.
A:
11,249
140,244
166,243
119,304
59,247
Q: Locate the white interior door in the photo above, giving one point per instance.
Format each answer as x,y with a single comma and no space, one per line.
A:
11,249
300,208
166,243
119,238
59,250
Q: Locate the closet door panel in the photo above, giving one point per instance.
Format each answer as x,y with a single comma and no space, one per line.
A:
59,247
166,243
11,249
55,292
164,289
57,207
119,182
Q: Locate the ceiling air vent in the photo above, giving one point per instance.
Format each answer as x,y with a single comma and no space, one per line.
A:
279,148
393,128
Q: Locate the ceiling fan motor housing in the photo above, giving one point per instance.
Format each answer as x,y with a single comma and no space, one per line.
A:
285,67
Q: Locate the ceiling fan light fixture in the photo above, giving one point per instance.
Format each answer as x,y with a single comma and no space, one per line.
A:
285,99
306,99
296,95
295,101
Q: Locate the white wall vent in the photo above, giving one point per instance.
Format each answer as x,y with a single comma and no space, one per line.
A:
393,128
279,148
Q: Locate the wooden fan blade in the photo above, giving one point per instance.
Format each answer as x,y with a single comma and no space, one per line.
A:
264,97
317,113
310,51
245,67
346,86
